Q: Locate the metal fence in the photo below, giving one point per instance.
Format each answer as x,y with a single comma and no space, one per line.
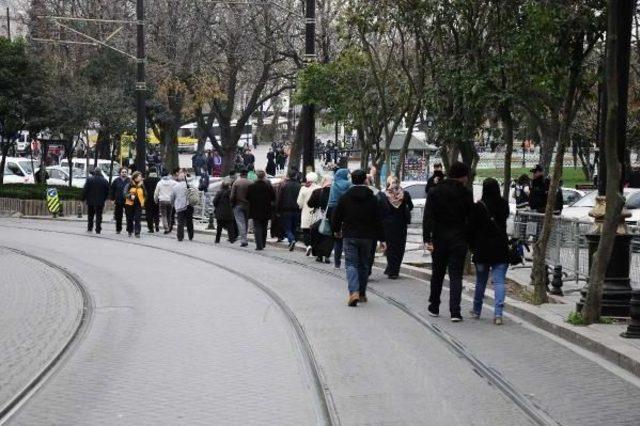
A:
568,246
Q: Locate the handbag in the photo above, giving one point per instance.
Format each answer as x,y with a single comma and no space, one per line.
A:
325,225
193,195
514,256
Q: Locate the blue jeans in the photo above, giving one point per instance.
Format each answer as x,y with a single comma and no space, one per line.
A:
357,252
290,224
498,275
337,252
241,216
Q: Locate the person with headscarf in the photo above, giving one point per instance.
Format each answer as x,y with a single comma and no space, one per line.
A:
341,184
395,211
490,246
308,216
321,245
271,163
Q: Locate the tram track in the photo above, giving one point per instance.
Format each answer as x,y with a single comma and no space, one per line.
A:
49,369
534,412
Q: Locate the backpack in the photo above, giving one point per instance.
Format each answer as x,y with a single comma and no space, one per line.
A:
193,195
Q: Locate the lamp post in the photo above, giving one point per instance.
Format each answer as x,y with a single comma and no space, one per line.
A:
308,110
141,89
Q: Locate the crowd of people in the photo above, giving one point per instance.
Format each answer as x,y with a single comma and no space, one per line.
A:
338,217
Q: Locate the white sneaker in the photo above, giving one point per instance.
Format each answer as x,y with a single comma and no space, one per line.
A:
308,253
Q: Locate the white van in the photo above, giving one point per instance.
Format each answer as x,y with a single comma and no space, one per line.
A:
21,167
81,165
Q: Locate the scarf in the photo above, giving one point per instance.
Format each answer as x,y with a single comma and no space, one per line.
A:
395,195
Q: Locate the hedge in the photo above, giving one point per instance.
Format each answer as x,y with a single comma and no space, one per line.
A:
37,192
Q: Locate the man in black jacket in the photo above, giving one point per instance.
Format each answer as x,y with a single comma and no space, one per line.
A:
151,208
95,194
288,208
117,195
435,179
539,190
261,197
445,233
357,218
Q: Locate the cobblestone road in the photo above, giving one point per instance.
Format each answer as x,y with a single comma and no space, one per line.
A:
175,341
40,310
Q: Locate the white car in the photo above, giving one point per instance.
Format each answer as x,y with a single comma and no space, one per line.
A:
59,176
581,208
10,177
21,167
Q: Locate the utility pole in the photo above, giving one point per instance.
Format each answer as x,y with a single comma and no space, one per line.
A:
8,25
308,110
141,91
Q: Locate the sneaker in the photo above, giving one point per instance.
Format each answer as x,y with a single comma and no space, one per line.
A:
308,252
166,232
363,298
137,235
497,320
336,265
456,318
473,314
98,232
353,300
432,313
292,246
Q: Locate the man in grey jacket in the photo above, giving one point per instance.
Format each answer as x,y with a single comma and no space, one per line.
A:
240,205
183,210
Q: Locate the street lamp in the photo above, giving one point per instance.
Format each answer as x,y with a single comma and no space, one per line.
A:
308,110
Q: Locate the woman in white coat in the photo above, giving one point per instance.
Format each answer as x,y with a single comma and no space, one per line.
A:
308,216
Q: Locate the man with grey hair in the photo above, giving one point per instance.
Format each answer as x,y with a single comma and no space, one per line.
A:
261,197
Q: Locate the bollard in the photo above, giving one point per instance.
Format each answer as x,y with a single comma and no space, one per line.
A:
556,282
79,211
210,226
633,330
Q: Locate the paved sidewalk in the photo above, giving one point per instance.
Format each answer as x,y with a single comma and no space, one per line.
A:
40,310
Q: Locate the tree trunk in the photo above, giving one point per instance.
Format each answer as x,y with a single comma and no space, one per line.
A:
413,117
295,155
5,149
507,124
548,140
617,73
170,147
103,144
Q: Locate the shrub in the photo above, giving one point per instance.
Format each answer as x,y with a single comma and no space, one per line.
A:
38,192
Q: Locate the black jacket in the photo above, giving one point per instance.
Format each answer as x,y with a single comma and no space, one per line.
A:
489,240
319,198
96,191
288,196
395,220
117,190
539,193
433,181
447,213
261,197
222,205
150,184
357,215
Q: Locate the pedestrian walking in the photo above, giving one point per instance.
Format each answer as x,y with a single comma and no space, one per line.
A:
339,187
117,196
184,211
151,208
308,215
539,190
261,197
395,211
435,179
445,233
288,207
490,247
95,194
321,245
357,219
277,230
162,197
271,163
248,159
224,213
521,192
241,205
134,202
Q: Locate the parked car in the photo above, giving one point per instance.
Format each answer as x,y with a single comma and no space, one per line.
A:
59,176
581,208
21,167
81,164
10,177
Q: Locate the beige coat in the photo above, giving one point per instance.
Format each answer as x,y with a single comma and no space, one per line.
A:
308,214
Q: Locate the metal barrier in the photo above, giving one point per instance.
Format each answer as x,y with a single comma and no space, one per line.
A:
568,247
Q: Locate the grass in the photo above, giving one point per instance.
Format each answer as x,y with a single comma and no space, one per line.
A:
570,176
575,318
37,192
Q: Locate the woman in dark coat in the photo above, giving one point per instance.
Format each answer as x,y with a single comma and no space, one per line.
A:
321,245
395,211
224,213
277,230
271,163
490,246
261,197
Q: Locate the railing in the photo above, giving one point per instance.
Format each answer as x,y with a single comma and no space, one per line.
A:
568,246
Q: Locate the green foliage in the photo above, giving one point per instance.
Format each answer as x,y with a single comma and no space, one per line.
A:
38,192
575,318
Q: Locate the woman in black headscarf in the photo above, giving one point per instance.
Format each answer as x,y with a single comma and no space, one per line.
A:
490,246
